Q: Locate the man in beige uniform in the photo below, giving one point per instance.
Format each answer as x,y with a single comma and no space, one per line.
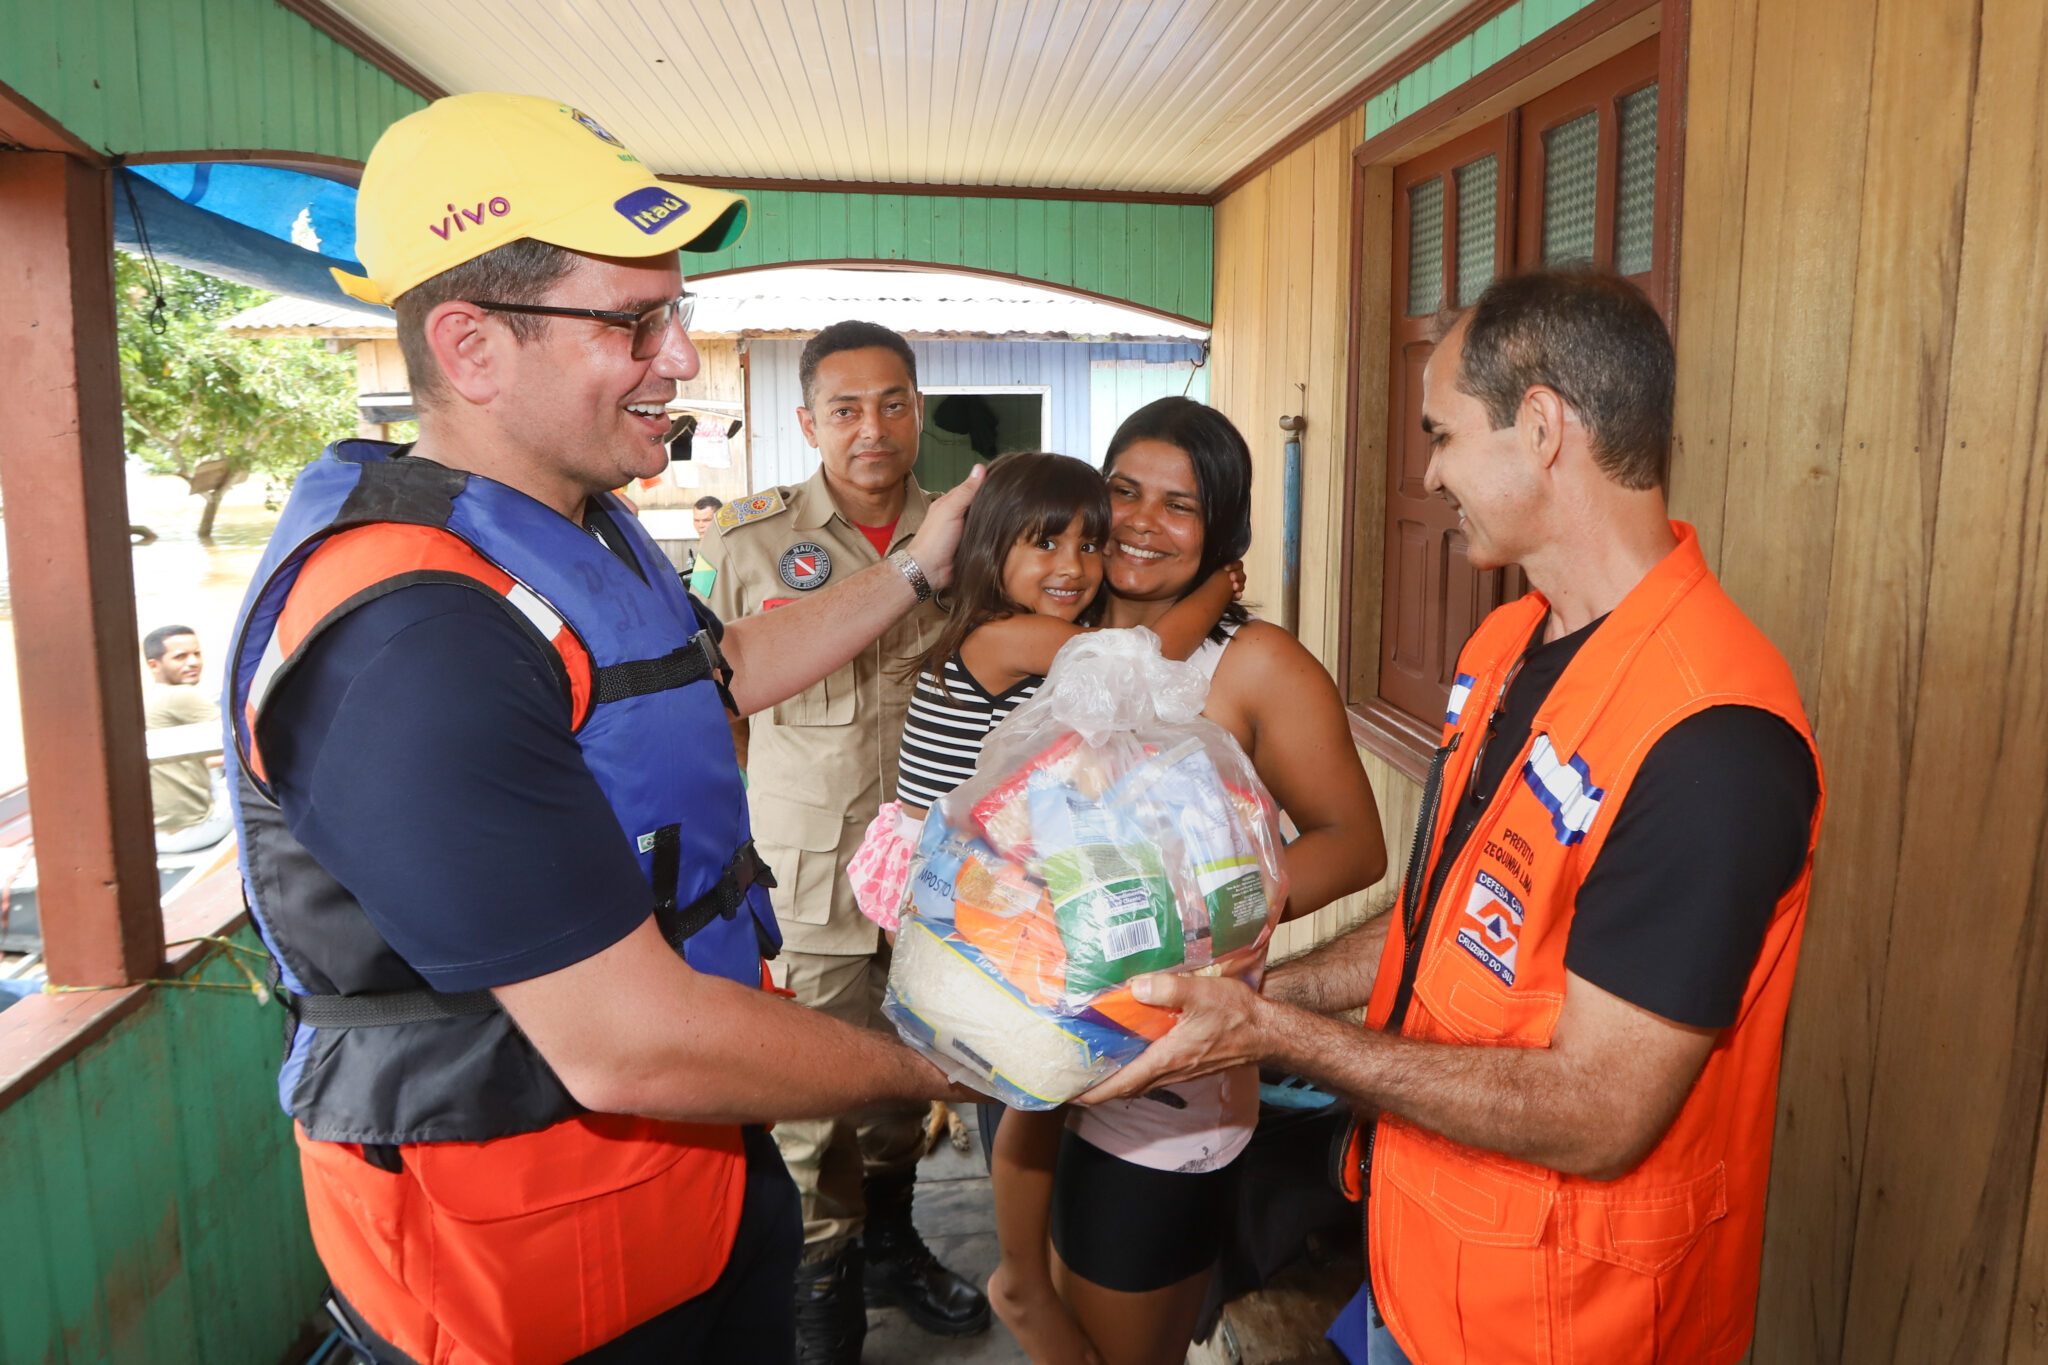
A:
818,766
181,790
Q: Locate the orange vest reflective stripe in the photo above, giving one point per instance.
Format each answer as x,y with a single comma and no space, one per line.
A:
1480,1258
524,1250
353,566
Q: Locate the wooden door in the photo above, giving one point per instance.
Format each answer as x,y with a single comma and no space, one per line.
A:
1454,230
1571,176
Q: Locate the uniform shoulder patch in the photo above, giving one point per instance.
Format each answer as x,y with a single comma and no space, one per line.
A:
740,511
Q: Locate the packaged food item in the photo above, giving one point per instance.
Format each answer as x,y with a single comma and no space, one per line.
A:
1109,890
1109,831
1004,814
931,888
1213,820
1005,913
953,1005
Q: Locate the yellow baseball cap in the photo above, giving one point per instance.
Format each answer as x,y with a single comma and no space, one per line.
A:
469,173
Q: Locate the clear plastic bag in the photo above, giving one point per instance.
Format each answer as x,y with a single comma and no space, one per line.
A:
1109,831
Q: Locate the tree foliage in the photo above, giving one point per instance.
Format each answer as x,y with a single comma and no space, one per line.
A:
214,408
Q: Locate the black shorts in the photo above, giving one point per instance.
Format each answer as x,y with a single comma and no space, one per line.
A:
1134,1229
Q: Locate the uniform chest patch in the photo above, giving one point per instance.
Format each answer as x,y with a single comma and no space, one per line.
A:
1492,927
805,565
1566,790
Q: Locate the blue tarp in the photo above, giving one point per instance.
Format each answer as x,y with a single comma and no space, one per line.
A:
260,225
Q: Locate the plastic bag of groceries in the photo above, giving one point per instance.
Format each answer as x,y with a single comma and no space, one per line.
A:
1109,831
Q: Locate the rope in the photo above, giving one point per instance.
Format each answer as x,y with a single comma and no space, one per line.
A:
158,323
222,947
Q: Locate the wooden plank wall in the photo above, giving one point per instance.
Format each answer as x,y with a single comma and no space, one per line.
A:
1282,347
151,1194
1863,443
719,380
1860,344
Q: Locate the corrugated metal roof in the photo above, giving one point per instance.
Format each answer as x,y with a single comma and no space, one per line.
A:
801,301
798,302
290,317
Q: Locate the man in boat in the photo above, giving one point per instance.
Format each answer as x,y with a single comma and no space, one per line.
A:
818,768
1569,1062
493,830
181,791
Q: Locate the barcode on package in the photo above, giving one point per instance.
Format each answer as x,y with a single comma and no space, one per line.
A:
1122,940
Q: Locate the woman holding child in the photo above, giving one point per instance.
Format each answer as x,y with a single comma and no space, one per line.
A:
1111,1218
1142,1188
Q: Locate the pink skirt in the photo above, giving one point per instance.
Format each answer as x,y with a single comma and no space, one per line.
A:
881,867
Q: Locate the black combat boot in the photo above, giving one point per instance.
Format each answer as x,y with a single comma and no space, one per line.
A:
901,1270
830,1321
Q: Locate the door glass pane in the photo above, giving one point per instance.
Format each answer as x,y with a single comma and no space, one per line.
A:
1571,164
1636,214
1426,247
1478,197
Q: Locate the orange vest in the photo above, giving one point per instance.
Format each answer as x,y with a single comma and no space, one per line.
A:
528,1249
1478,1257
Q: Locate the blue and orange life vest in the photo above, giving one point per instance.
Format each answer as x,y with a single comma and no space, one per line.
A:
499,1220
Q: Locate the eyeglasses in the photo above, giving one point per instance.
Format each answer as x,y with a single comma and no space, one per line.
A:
650,328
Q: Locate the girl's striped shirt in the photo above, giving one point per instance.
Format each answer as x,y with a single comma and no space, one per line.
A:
943,734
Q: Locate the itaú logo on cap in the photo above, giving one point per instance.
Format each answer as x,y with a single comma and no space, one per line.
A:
649,209
462,219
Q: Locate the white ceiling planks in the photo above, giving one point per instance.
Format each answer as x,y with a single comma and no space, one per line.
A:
1130,95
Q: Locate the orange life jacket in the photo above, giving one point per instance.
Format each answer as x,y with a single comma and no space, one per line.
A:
1477,1257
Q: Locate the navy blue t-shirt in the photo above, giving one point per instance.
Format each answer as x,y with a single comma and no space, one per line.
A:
422,753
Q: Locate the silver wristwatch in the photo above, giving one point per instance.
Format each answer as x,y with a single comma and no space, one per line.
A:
912,574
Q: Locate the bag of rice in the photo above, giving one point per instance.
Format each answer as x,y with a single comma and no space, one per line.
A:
1109,831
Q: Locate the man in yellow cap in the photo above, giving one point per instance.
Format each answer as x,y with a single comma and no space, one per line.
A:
492,826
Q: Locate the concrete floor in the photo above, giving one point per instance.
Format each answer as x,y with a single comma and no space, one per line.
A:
956,1214
1281,1325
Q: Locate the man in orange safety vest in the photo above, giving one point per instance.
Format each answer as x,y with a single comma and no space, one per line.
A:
1569,1064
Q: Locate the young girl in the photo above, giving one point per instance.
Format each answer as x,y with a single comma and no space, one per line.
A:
1025,577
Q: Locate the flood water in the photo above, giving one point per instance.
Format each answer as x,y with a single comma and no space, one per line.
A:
177,580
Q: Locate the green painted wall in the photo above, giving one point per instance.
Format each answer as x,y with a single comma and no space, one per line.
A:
194,75
150,1192
1499,37
1156,255
131,76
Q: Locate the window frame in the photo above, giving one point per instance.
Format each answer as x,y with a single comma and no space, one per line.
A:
1598,34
